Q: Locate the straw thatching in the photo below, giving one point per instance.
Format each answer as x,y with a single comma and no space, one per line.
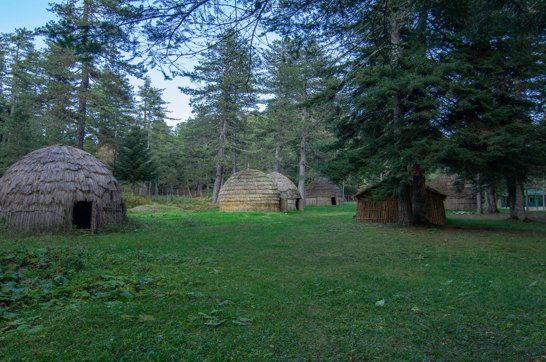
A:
290,196
58,187
323,192
460,197
247,191
386,211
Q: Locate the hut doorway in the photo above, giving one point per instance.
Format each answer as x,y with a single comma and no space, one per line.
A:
334,201
82,214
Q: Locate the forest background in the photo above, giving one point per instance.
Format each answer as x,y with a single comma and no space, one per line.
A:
364,92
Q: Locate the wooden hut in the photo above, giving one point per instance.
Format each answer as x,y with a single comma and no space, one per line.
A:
290,196
386,211
247,191
323,192
58,188
459,196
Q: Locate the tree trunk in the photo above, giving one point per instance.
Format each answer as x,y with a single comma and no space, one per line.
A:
200,189
405,215
491,200
84,85
234,161
404,205
419,200
479,208
219,163
516,200
278,158
302,165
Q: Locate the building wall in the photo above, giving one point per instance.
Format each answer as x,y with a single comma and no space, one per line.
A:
320,201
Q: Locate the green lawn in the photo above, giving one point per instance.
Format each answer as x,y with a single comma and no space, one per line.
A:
247,286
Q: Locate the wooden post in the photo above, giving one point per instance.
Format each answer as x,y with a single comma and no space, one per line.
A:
93,217
284,205
479,194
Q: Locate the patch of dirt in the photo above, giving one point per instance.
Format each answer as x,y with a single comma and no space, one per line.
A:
153,209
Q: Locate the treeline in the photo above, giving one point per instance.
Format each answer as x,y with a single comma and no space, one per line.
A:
367,92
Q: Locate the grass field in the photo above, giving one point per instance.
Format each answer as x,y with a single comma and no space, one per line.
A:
255,286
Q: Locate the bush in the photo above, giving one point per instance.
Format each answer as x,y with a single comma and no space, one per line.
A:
133,200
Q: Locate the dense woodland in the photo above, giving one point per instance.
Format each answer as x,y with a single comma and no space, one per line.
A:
364,92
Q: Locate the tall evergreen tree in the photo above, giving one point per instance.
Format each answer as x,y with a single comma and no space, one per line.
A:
134,163
90,30
226,91
493,108
21,86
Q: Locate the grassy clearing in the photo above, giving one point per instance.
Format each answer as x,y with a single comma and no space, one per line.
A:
312,285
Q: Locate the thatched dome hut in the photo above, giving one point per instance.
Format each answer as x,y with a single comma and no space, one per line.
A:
386,211
323,192
57,188
460,195
290,196
247,191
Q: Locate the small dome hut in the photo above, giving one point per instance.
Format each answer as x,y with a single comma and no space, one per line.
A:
323,192
57,188
460,195
290,196
385,211
248,191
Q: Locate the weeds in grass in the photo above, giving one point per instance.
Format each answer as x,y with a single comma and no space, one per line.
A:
306,286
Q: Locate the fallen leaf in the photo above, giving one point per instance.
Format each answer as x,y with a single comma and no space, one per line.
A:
145,318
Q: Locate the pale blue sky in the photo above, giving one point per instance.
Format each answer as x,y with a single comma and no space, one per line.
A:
33,13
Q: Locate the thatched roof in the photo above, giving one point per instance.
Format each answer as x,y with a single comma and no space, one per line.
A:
447,185
285,185
322,187
460,194
249,190
40,189
385,210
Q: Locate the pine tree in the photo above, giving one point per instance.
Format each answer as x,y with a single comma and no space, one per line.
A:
91,32
134,163
494,96
226,92
19,129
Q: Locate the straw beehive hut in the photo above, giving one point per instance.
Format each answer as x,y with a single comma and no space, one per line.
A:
323,192
386,211
459,197
58,188
247,191
290,196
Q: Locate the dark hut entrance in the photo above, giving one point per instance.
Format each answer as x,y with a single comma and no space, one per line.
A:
334,201
82,214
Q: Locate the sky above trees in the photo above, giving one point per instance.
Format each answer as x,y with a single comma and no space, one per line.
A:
31,14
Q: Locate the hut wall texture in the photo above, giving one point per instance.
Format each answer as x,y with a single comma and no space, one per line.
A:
463,199
319,201
288,190
436,212
249,191
379,211
320,192
386,211
39,191
291,204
